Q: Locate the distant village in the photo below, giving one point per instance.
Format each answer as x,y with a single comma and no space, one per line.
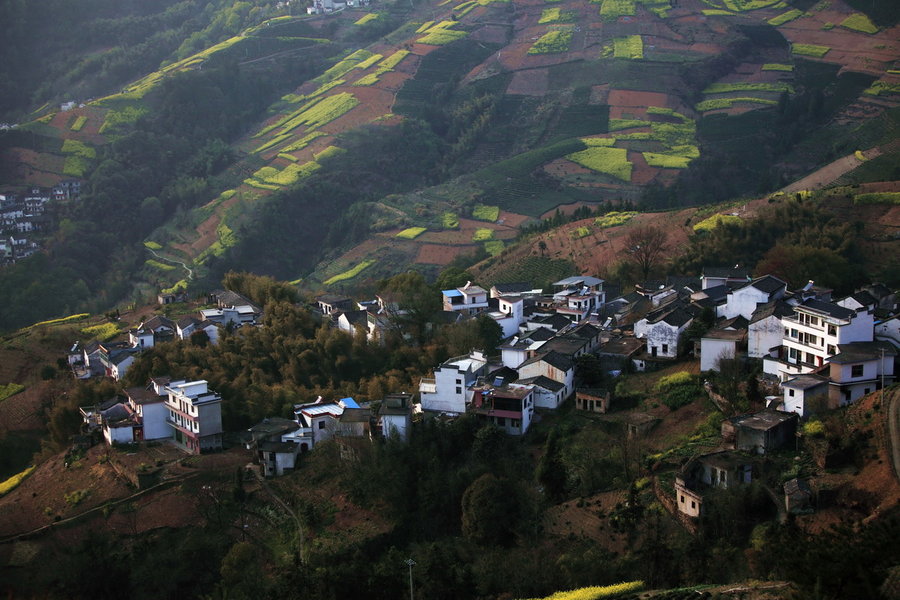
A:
817,353
24,216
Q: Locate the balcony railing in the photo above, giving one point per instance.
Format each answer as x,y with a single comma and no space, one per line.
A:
428,386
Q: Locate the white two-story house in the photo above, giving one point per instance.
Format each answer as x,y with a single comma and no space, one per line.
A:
469,299
195,416
448,390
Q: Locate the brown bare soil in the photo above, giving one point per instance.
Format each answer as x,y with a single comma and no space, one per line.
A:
532,82
637,98
441,254
586,521
22,411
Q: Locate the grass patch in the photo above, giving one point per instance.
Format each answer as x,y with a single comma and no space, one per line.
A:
552,42
14,481
630,47
179,285
152,245
614,218
777,67
411,233
394,59
494,247
877,198
724,88
10,389
710,223
159,265
785,17
813,50
620,124
350,273
716,12
611,10
303,142
78,123
666,161
483,234
118,117
859,22
449,220
483,212
102,332
717,103
748,5
609,161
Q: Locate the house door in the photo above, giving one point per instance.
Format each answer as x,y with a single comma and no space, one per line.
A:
653,351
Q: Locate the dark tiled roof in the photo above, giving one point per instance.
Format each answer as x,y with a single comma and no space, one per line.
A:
541,334
865,298
543,382
861,351
728,272
554,359
828,308
677,317
356,317
140,395
805,382
768,284
776,308
764,420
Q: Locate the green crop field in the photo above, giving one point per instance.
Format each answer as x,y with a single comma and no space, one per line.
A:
717,103
556,15
599,141
394,59
877,198
350,273
597,592
483,212
666,161
724,88
747,5
324,111
343,67
483,234
777,67
785,17
716,12
494,247
611,10
78,123
441,34
159,265
609,161
859,22
152,245
715,220
12,483
619,124
10,389
411,233
556,40
102,332
366,19
882,87
449,220
631,47
614,218
810,50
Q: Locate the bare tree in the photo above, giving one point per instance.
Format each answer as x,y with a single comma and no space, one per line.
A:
646,245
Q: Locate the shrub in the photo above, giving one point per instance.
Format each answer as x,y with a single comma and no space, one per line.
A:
102,332
710,223
450,221
483,234
611,10
75,498
614,218
814,429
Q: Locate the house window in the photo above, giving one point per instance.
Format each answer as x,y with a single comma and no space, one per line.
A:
791,393
321,424
459,382
501,421
665,348
832,330
814,320
682,498
693,504
792,352
459,390
831,350
515,423
856,371
787,332
866,391
794,333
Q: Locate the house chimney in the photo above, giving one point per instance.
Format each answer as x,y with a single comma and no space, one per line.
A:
468,283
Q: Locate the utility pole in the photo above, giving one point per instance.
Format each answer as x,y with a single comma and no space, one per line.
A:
410,563
882,376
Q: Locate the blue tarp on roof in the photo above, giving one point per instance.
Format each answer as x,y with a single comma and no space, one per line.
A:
451,293
349,403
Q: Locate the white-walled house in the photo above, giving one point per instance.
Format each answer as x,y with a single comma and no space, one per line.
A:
509,315
150,408
889,331
662,330
321,419
195,416
743,301
469,299
395,416
509,407
766,330
553,365
547,392
720,344
448,390
859,369
716,276
803,394
813,333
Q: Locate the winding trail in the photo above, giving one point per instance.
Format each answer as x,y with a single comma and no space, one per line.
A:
190,275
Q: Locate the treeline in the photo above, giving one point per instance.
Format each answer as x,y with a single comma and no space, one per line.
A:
794,240
168,162
59,50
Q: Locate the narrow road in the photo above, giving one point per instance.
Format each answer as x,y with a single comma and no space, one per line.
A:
892,398
830,172
190,275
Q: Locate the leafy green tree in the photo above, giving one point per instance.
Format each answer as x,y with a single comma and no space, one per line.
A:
551,472
490,511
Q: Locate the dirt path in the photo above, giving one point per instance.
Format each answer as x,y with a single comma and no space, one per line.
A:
190,273
830,172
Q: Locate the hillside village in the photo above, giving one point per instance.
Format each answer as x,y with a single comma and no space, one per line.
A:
816,353
24,216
